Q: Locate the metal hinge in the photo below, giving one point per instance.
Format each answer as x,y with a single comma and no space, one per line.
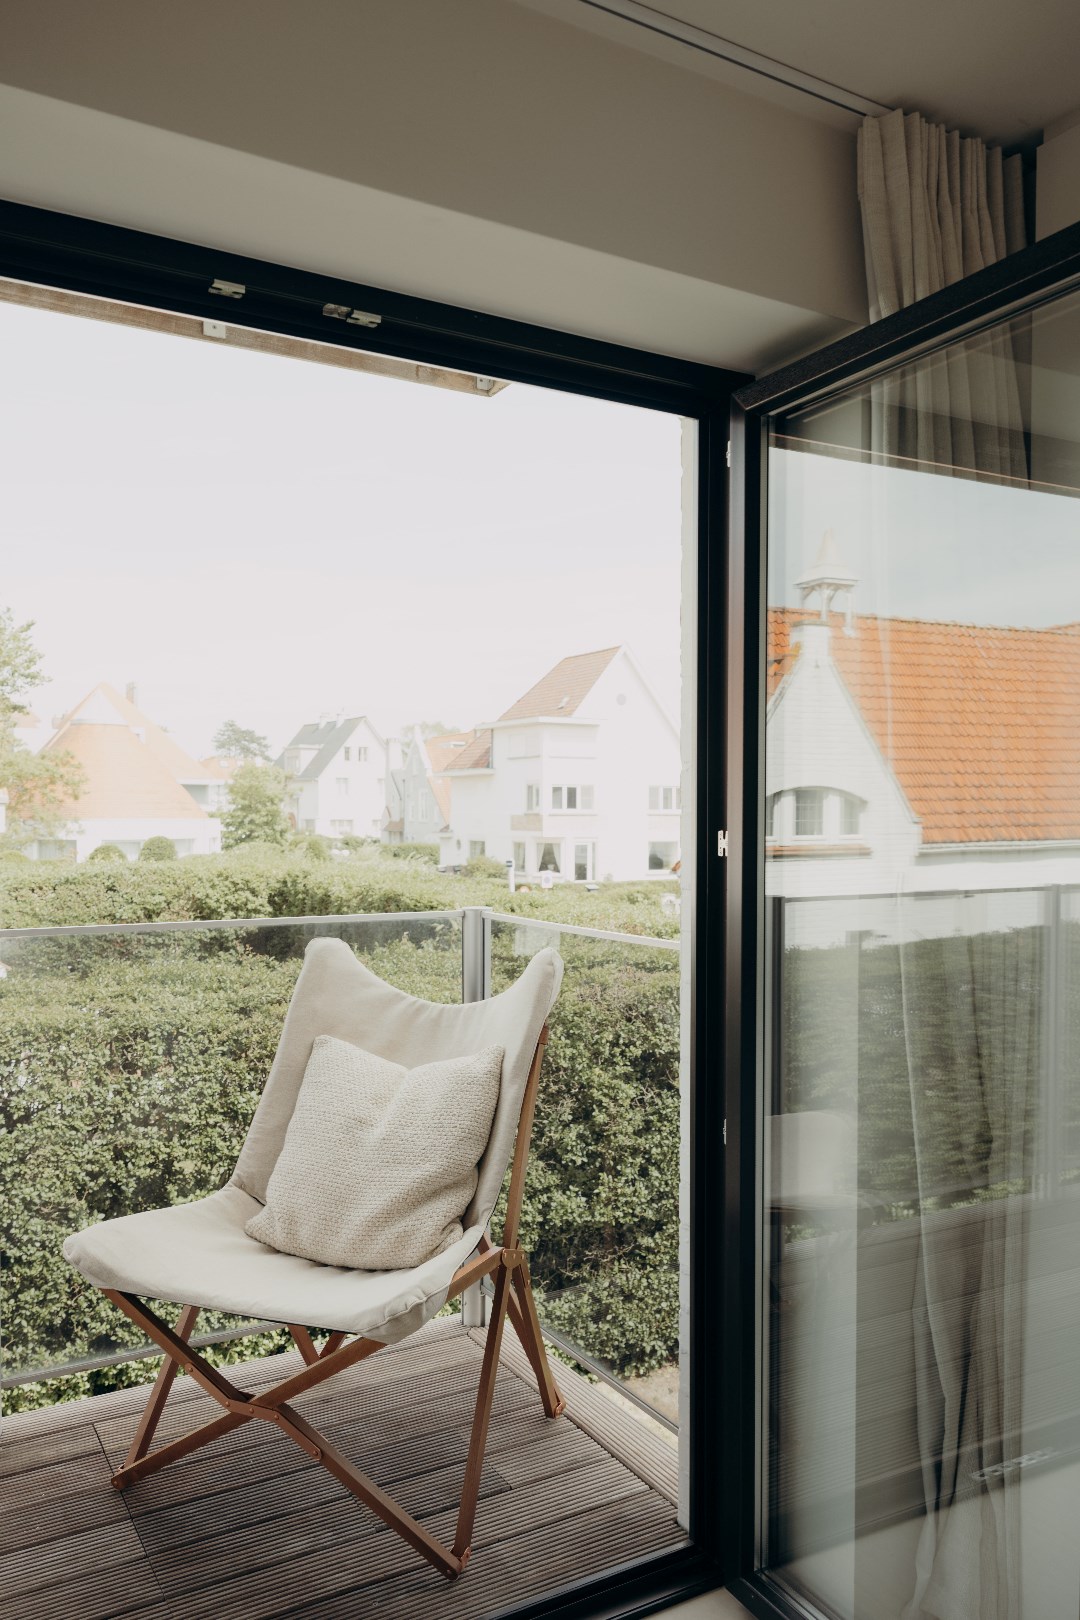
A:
725,1133
721,844
354,317
729,452
228,289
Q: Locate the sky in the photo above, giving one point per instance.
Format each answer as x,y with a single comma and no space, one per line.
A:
256,538
926,546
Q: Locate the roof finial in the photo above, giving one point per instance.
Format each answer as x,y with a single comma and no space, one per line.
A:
827,578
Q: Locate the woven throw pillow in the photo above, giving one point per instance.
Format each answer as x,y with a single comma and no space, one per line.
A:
379,1162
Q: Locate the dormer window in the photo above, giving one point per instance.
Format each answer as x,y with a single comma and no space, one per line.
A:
813,815
809,812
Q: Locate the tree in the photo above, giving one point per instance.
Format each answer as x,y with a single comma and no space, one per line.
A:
236,742
36,785
426,728
158,849
255,812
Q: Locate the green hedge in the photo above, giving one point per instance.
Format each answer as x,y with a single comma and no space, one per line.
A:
130,1067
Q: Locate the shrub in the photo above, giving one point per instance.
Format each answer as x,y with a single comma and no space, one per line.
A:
312,845
413,852
485,866
111,852
158,849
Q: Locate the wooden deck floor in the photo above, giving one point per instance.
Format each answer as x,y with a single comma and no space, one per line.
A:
248,1527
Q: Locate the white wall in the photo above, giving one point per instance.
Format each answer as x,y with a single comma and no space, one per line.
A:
478,153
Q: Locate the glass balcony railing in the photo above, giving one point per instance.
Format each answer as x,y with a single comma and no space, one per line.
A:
132,1057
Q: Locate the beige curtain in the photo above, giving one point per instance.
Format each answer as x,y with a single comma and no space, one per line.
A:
937,207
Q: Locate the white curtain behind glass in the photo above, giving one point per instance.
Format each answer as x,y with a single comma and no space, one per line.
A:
936,207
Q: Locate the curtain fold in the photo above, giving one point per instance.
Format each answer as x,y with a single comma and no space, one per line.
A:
937,207
973,1066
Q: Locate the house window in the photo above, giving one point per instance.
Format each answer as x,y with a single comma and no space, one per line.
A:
770,814
572,797
809,812
341,828
582,862
532,796
361,756
850,814
519,857
662,857
342,785
550,858
348,755
665,798
477,847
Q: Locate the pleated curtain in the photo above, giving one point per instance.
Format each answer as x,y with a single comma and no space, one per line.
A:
937,206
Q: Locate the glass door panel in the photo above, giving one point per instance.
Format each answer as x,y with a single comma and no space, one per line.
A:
921,1226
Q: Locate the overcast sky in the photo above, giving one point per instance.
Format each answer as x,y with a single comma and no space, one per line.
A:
256,538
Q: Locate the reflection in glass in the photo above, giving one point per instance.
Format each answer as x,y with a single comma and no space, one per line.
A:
922,875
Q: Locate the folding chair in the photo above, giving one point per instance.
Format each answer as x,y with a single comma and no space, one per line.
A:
198,1255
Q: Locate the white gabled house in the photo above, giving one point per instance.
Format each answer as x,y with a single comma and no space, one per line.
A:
337,772
579,779
909,762
138,783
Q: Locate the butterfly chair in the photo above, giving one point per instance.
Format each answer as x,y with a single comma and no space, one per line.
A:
199,1255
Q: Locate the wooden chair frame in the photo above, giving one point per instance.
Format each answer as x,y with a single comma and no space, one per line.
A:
513,1298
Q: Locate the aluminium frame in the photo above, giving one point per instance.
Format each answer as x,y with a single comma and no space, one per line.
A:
52,249
1020,283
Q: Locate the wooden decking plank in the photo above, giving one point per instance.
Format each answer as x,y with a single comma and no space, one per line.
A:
523,1567
275,1495
347,1395
328,1526
61,1560
218,1468
379,1556
36,1451
102,1595
37,1522
615,1429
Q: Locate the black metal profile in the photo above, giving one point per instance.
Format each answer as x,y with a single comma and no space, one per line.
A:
1024,281
83,256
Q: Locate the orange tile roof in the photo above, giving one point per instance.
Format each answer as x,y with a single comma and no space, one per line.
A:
172,756
475,756
563,689
444,753
124,778
980,724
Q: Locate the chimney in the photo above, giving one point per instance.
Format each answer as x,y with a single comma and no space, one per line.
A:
131,692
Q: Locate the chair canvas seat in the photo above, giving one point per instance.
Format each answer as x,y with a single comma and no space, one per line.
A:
199,1254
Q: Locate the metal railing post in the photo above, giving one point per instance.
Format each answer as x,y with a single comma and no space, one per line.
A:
475,986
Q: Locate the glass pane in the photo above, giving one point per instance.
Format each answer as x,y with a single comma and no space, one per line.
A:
922,1102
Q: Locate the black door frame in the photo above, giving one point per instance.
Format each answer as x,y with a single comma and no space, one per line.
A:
1026,279
84,256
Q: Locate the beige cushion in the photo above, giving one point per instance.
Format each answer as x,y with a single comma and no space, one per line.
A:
379,1162
337,995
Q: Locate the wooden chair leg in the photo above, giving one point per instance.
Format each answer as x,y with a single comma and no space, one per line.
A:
154,1407
304,1343
527,1327
481,1418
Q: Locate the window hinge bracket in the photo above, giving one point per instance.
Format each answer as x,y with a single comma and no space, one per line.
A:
722,844
228,289
352,317
728,456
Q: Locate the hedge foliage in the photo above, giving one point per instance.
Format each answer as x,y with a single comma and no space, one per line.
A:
130,1066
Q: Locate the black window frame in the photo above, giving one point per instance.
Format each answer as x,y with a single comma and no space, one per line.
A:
69,253
1036,275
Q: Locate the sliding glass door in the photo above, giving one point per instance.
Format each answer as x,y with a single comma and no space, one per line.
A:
920,1101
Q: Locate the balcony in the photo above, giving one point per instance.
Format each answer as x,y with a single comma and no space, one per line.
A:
131,1056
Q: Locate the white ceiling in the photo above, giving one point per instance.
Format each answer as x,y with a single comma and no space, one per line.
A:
993,68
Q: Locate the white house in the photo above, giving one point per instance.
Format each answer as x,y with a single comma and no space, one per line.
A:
908,759
580,778
421,793
138,784
337,771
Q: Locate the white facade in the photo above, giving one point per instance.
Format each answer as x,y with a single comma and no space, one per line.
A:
337,771
588,797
